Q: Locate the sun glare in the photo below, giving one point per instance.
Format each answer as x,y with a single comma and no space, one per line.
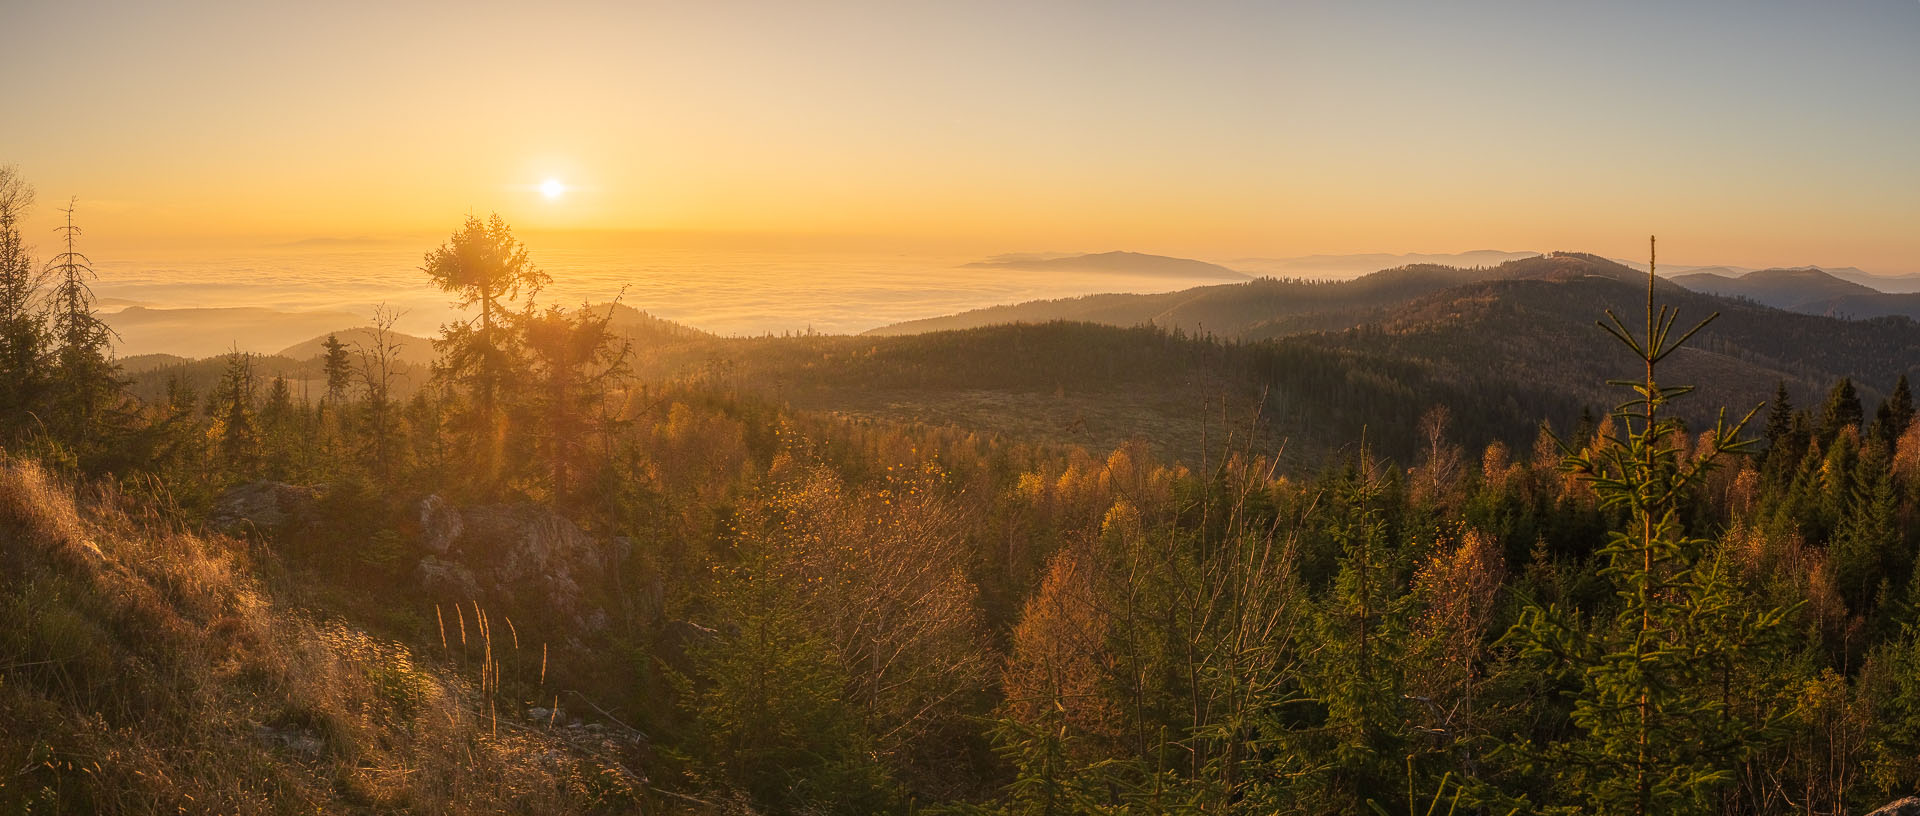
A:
552,188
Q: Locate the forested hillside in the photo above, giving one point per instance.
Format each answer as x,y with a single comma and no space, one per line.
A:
1489,345
586,568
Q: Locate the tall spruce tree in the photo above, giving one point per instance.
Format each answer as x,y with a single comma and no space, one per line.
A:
575,361
337,365
232,406
1779,419
1895,414
1842,410
86,382
1654,732
23,331
1362,635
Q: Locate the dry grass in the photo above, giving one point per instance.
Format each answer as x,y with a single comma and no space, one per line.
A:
143,669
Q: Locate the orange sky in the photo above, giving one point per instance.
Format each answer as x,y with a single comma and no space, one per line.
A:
1744,133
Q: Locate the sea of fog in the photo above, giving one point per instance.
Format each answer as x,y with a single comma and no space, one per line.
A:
267,300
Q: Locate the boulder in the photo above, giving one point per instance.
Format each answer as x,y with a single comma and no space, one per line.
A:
293,740
265,507
517,550
1909,806
440,524
446,578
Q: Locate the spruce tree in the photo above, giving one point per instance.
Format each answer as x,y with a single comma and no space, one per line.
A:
576,361
86,382
1895,414
282,444
337,364
23,331
232,406
1362,635
1868,546
1842,410
1654,735
1779,420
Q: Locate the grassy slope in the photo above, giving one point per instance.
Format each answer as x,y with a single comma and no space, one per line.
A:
144,668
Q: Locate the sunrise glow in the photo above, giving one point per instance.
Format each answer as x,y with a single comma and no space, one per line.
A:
1239,131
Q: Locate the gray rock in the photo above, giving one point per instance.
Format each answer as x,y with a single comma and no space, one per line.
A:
440,524
292,740
1909,806
514,550
447,577
264,507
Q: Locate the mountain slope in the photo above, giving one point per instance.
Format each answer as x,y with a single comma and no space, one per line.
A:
1542,330
1100,386
1502,348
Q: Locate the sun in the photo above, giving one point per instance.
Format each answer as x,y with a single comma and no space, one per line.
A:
552,188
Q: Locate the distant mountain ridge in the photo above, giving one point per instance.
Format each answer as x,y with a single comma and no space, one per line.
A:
1890,284
1808,290
625,321
205,332
1117,263
1502,347
1355,265
1266,307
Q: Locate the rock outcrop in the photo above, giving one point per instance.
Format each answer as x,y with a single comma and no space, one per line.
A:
522,551
265,507
1909,806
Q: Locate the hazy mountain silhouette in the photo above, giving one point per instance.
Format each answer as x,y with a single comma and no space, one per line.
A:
1116,263
204,332
413,350
1891,284
1809,290
1266,307
1355,265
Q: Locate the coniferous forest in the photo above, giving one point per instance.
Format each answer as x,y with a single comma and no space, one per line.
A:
565,568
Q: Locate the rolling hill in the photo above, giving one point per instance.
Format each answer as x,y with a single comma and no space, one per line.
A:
1808,290
412,350
1503,348
1262,308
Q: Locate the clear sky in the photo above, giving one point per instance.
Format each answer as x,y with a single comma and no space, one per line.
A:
1751,133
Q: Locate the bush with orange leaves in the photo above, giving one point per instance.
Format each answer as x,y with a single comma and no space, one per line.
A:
879,578
1057,672
1457,586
